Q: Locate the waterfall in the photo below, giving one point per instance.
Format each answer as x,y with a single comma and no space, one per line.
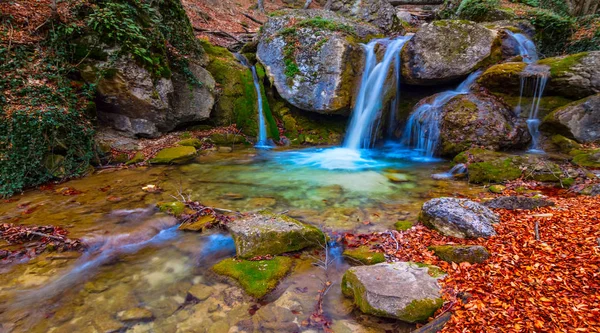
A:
528,52
370,96
422,129
396,102
263,142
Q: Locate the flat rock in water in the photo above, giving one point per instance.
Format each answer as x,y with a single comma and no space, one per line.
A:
400,290
460,218
135,314
265,233
516,202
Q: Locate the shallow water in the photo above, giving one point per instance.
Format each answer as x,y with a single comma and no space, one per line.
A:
138,259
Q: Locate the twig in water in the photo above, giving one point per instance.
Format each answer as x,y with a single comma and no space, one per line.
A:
45,235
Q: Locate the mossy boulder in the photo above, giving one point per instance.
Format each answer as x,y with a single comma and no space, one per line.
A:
313,58
497,189
522,104
579,120
174,155
575,76
191,142
589,158
518,202
137,158
257,277
403,225
363,255
227,139
564,144
461,253
459,218
400,290
378,12
266,233
447,51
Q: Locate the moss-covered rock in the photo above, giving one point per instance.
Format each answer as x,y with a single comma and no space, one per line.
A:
258,277
363,255
461,253
137,158
579,120
403,225
174,208
400,290
174,155
498,189
586,158
266,233
227,139
191,142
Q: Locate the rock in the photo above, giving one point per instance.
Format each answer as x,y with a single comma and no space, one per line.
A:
135,314
518,202
588,158
485,166
320,78
223,149
174,155
106,324
447,51
265,233
256,277
403,225
200,292
175,208
564,144
498,189
575,76
479,120
227,139
137,158
474,254
363,255
192,142
579,120
378,12
460,218
191,103
591,190
399,290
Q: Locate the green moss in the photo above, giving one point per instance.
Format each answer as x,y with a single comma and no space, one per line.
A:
403,225
256,277
432,270
498,189
192,142
54,164
174,208
420,310
174,155
503,78
227,139
137,158
565,144
494,171
213,50
364,255
588,159
546,104
120,158
460,253
562,65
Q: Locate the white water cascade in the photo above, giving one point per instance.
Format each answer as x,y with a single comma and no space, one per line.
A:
536,84
369,102
423,127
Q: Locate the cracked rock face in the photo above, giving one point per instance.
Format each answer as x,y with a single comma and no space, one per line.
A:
447,51
459,218
400,290
378,12
579,120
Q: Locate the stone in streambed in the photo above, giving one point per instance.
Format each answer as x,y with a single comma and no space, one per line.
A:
135,314
460,218
257,277
192,142
400,290
174,155
200,292
518,202
363,255
266,233
461,253
498,189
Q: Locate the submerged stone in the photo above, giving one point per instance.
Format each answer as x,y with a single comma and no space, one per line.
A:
518,202
498,189
258,277
265,233
461,253
135,314
200,292
400,290
363,255
174,155
460,218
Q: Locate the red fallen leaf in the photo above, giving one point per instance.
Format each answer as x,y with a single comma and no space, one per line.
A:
113,198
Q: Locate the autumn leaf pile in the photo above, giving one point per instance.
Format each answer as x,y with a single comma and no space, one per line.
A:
527,285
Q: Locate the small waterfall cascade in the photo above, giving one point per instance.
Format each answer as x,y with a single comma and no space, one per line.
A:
396,101
370,97
263,142
534,82
422,130
456,171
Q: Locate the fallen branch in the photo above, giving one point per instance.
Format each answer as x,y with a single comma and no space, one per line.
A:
435,325
218,33
253,19
45,235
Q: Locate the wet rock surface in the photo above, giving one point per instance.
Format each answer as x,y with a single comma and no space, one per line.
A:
518,202
461,253
400,290
579,120
378,12
460,218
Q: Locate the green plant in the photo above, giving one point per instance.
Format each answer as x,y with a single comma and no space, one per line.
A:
532,3
477,10
552,31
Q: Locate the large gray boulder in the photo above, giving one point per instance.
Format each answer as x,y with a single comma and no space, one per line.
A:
459,218
133,101
401,290
314,59
579,120
447,51
265,233
378,12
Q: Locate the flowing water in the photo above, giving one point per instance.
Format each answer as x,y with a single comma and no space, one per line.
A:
422,130
137,258
535,82
263,141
